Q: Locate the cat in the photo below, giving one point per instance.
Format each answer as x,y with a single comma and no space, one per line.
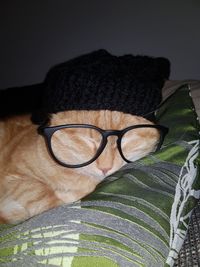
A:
32,182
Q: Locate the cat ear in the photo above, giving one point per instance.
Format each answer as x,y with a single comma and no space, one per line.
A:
21,100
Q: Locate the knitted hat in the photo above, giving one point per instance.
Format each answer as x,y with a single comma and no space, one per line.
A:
101,81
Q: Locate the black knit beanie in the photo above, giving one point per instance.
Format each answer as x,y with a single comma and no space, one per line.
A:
101,81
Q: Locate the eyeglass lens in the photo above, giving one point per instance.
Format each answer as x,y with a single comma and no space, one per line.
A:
137,143
75,146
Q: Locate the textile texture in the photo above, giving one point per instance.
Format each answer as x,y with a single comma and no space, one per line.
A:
189,255
139,216
99,80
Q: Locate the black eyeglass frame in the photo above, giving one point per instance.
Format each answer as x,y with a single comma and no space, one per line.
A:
48,131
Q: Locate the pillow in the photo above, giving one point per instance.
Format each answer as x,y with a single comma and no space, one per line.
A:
137,217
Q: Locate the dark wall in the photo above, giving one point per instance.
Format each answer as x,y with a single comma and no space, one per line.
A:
37,34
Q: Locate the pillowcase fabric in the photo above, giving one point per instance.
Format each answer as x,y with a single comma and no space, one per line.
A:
137,217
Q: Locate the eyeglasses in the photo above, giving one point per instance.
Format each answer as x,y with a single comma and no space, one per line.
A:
78,145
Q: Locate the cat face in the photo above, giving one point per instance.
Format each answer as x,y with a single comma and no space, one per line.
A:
79,145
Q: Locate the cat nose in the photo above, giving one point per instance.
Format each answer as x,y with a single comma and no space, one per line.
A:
105,170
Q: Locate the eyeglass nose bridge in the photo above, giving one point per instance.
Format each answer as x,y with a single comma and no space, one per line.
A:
118,134
107,133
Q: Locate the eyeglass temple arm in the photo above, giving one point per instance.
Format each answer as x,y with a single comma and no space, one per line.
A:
40,129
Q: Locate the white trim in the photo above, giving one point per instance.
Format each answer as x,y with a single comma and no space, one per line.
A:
183,192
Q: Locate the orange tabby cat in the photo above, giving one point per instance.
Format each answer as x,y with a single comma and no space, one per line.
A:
32,182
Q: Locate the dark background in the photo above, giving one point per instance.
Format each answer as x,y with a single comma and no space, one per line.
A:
36,34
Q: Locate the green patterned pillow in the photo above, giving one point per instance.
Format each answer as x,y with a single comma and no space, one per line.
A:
137,217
